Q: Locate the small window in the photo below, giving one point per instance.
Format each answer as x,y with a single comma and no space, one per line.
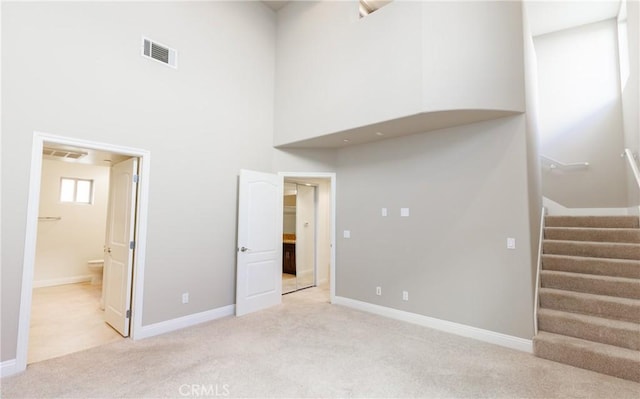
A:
79,191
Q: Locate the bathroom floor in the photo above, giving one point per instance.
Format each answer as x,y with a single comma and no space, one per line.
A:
66,319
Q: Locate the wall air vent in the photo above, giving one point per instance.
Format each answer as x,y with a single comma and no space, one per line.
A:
59,153
159,52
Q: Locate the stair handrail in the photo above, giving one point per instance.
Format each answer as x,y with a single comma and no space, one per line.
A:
555,164
632,163
539,268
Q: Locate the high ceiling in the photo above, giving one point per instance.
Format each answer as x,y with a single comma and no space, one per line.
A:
545,16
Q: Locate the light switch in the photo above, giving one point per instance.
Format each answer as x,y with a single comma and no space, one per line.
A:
384,211
404,212
346,234
511,243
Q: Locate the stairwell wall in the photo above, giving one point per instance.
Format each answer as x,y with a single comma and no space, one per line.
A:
533,142
631,83
629,41
580,115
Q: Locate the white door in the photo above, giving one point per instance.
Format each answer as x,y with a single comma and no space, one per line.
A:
259,261
118,262
305,236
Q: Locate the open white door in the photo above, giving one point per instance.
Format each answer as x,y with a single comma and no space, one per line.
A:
259,262
118,262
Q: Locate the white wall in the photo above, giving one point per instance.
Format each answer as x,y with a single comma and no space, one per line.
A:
466,190
336,71
83,77
472,55
580,115
64,246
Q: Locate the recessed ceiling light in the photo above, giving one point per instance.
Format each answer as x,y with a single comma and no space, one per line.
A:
346,140
379,134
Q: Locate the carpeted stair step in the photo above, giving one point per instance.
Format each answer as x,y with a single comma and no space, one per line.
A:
600,285
597,329
602,358
598,266
623,309
592,234
628,222
592,249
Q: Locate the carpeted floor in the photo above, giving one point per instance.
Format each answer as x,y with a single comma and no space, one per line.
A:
309,348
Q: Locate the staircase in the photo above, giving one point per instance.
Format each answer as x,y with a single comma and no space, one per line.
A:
589,309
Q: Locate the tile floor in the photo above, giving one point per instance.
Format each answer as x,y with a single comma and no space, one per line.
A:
66,319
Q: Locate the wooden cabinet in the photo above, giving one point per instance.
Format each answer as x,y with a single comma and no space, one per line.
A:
289,258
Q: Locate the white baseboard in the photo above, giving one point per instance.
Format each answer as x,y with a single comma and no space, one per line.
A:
182,322
8,367
480,334
60,281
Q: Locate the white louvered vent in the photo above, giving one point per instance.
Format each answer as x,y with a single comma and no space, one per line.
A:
58,153
159,52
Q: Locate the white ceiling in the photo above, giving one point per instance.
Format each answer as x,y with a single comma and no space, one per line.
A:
551,16
92,157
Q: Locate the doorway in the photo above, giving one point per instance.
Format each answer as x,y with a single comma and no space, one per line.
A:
307,258
67,310
119,223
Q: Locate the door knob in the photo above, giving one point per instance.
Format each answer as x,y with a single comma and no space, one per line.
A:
244,249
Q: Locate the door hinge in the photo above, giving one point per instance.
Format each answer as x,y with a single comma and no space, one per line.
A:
132,244
136,178
128,314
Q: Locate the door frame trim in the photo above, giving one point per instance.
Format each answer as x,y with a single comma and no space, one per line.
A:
33,205
332,228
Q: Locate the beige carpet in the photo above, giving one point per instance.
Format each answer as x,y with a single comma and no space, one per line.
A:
309,348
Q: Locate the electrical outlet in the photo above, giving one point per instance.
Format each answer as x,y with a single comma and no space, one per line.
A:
511,243
185,297
405,295
378,290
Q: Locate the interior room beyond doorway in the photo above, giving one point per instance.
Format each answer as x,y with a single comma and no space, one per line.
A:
306,248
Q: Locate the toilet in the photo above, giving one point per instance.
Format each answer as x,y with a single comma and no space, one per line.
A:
95,267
